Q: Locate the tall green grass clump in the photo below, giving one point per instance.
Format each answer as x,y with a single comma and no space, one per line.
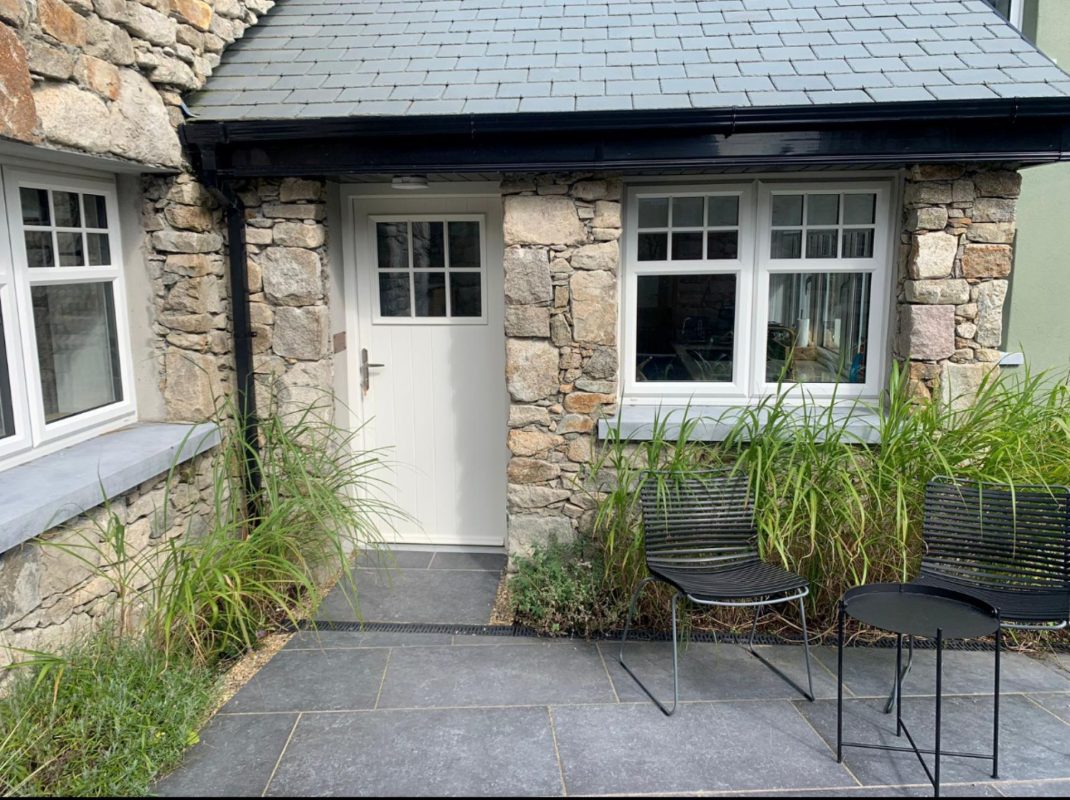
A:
837,503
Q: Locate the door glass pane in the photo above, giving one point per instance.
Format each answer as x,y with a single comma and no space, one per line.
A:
70,249
722,211
96,214
394,294
686,212
465,294
818,327
464,245
392,243
39,249
34,206
685,327
687,246
430,291
654,212
68,214
653,246
77,348
787,209
428,249
822,209
7,421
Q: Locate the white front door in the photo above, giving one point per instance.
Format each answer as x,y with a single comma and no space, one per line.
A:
428,314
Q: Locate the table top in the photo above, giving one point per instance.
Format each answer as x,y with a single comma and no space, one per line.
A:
920,610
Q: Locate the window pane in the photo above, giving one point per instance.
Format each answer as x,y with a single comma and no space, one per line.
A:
722,244
464,245
786,244
99,249
818,324
394,294
858,243
96,213
858,209
34,206
67,213
787,209
653,247
39,249
821,244
685,328
687,246
654,212
77,348
686,212
430,294
428,249
70,249
722,211
822,209
465,299
392,242
7,421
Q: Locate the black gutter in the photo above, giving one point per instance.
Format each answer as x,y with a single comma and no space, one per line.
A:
242,332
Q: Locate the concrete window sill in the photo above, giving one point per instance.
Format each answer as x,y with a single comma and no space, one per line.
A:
43,493
637,422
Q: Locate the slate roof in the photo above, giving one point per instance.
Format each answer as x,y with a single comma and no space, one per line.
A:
346,58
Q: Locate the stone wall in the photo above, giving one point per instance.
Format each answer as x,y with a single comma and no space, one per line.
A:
106,76
561,267
48,596
956,254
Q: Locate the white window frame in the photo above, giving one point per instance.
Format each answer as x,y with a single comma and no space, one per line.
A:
379,319
45,435
21,439
753,268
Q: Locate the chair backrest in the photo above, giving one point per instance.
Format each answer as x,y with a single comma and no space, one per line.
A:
702,523
998,536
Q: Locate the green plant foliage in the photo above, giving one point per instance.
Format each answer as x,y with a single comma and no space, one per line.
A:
830,504
102,719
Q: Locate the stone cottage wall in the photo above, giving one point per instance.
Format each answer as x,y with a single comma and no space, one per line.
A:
49,597
956,254
561,267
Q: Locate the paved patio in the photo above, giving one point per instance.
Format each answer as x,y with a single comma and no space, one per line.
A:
374,713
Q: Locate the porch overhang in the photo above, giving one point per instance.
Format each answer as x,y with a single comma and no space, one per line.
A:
1024,131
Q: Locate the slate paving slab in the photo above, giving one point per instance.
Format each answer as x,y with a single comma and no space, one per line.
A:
234,758
1033,743
920,790
1057,704
1035,789
712,672
503,675
869,672
313,680
394,559
631,748
486,752
489,562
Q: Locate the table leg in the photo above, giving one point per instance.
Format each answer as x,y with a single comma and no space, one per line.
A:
995,714
839,687
939,697
899,685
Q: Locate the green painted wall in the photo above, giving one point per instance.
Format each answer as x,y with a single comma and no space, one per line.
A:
1038,318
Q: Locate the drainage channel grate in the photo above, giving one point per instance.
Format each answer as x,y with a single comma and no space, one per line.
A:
519,631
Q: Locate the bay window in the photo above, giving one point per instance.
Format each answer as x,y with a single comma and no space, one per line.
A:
733,290
64,352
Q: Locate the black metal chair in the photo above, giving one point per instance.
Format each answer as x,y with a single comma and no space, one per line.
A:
1006,545
699,537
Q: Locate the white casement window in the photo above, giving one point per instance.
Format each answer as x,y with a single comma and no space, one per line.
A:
732,290
64,348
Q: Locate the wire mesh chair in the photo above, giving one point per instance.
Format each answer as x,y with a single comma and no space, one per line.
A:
1006,545
700,537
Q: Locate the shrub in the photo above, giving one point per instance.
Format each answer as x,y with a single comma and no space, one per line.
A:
102,719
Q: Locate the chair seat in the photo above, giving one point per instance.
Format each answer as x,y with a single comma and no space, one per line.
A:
751,579
1034,606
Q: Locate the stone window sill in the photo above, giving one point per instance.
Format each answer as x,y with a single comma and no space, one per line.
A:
46,492
637,422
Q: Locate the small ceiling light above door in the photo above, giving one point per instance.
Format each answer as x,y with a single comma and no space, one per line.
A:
409,182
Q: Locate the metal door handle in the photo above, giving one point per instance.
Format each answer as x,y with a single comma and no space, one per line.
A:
365,370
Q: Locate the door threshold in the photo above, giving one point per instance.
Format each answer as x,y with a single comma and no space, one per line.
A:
447,548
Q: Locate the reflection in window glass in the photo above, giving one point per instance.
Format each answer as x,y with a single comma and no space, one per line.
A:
722,245
787,244
77,348
96,214
687,212
465,294
818,325
653,247
821,243
429,289
7,421
39,249
392,244
859,209
428,247
686,245
685,328
464,245
34,206
99,249
787,209
654,212
70,249
394,294
822,209
67,211
722,211
858,243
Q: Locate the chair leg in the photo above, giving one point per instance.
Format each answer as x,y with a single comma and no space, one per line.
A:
892,696
809,695
675,657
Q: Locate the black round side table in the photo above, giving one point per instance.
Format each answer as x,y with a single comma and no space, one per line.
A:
933,613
